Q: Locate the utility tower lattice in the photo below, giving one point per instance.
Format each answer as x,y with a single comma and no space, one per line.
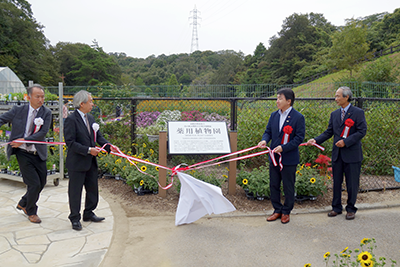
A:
195,39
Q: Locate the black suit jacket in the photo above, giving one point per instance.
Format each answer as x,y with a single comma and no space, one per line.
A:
79,140
352,152
17,116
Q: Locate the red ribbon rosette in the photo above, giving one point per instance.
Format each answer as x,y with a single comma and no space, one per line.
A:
348,124
287,130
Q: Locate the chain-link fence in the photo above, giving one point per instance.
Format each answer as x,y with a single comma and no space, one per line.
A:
249,117
359,89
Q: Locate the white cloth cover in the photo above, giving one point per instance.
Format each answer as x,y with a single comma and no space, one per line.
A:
198,198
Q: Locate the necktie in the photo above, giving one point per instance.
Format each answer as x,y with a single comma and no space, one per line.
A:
343,113
33,116
87,123
32,119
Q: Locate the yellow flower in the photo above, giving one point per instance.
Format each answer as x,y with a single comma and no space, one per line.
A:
157,169
151,151
245,181
298,172
368,263
225,176
327,255
144,145
312,180
364,241
227,169
143,168
147,160
364,257
141,182
106,165
124,168
344,250
328,177
307,265
315,166
134,144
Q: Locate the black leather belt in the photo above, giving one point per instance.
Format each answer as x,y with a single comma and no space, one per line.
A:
30,152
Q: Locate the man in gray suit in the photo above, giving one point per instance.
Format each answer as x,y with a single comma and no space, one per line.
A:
30,123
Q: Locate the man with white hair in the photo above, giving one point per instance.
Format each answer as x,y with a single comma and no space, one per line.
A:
348,126
81,134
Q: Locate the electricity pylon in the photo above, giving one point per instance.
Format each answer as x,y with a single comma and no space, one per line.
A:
195,38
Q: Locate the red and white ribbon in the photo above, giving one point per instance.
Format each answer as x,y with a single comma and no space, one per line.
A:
348,124
315,144
178,168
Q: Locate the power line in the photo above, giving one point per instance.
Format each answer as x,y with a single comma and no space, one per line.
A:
220,16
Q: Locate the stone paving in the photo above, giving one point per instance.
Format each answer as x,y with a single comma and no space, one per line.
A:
52,242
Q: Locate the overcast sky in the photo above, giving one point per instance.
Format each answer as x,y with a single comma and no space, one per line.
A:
141,28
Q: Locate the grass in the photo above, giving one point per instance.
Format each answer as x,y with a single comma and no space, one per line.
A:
324,86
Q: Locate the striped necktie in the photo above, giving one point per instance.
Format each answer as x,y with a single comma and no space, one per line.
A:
33,116
343,113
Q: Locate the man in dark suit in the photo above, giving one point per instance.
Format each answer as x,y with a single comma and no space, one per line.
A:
30,123
286,131
81,134
347,125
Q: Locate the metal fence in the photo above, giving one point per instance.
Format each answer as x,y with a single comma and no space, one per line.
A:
360,89
249,116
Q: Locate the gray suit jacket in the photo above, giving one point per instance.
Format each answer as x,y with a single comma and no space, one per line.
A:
17,116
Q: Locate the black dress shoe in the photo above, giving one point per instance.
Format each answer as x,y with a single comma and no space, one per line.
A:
94,218
333,213
350,216
76,225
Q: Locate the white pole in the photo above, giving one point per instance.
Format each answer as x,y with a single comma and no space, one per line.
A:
61,122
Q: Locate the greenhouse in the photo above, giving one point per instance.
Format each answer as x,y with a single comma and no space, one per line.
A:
9,82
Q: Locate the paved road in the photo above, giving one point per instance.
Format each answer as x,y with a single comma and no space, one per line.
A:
248,240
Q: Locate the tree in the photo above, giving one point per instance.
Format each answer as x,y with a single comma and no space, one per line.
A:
23,46
185,79
349,46
173,80
231,63
92,66
302,36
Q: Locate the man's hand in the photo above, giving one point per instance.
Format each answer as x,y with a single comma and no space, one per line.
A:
277,149
16,144
114,149
94,151
340,143
262,144
311,142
